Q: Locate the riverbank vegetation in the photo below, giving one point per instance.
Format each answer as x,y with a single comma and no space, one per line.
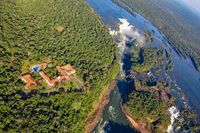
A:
64,31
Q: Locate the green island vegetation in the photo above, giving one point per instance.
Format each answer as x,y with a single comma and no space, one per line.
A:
146,108
64,31
151,98
168,61
148,36
149,101
145,58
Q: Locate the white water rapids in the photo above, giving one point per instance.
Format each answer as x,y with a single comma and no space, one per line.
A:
174,115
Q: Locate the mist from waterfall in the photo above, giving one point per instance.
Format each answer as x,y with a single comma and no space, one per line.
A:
126,33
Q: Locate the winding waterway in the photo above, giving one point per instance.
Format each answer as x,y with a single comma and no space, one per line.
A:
183,77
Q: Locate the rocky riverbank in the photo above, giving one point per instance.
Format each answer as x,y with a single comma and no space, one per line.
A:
95,116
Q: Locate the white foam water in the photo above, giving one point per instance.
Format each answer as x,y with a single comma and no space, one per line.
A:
112,112
101,126
174,115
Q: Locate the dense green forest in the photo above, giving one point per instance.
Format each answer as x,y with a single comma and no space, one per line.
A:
64,31
180,26
146,108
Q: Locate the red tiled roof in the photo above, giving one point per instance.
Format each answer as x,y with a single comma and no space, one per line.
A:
27,78
64,72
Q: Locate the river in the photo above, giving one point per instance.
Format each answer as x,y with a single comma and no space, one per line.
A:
183,78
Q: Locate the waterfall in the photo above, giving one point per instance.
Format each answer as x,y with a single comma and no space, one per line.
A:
126,33
174,115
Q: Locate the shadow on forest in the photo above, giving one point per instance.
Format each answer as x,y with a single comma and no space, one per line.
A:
27,95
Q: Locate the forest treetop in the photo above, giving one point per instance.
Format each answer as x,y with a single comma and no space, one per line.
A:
64,31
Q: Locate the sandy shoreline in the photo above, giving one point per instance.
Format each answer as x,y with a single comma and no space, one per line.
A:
96,114
140,127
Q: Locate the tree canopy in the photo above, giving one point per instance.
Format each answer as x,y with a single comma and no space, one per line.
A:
64,31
